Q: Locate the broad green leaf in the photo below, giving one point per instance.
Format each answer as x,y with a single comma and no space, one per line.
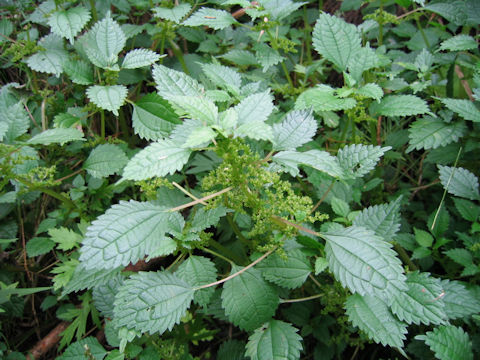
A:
280,9
104,293
465,108
290,273
257,130
459,182
68,23
199,136
224,77
371,315
323,98
175,14
267,56
198,271
15,120
423,238
39,246
203,219
240,57
371,90
66,239
6,28
88,278
467,209
105,160
139,58
195,107
158,159
454,11
463,257
459,301
76,350
400,105
231,350
213,18
57,136
152,302
3,129
79,71
365,59
153,118
460,42
275,340
298,128
255,108
357,160
336,40
175,83
319,160
125,233
248,299
383,219
431,133
420,303
364,262
218,95
340,207
51,59
109,97
448,343
320,265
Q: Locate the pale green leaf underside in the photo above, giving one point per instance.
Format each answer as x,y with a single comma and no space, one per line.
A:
203,219
371,315
248,299
460,42
68,23
224,77
139,58
109,97
175,83
105,160
432,133
255,108
448,343
15,121
175,14
371,90
319,160
459,301
459,182
401,105
296,129
195,107
76,350
275,340
158,159
213,18
323,98
357,160
267,56
152,302
465,108
88,278
57,136
104,293
364,262
51,59
79,71
257,130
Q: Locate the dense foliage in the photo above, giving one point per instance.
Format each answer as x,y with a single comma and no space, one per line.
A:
264,180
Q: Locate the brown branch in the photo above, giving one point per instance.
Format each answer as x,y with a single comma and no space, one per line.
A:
379,131
464,82
48,342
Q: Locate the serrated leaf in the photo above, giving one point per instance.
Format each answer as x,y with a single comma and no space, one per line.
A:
357,160
364,262
152,302
175,14
459,301
51,59
158,159
465,108
459,182
454,11
68,23
57,136
153,118
371,315
198,271
420,303
105,160
431,133
139,58
195,107
257,130
255,108
320,264
401,105
213,18
66,239
79,71
175,83
76,350
125,233
224,77
290,273
459,42
240,57
323,98
199,136
275,340
319,160
371,90
267,56
448,343
83,278
109,97
467,209
104,293
248,299
364,59
463,257
383,219
6,28
39,246
340,207
298,128
16,121
203,219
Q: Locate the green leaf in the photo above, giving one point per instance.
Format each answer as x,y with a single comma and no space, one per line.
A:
371,90
454,11
3,129
364,262
459,182
448,343
383,219
199,136
231,350
323,98
125,233
290,273
257,130
420,303
79,71
103,43
298,128
275,340
16,121
364,59
240,57
467,209
371,315
109,97
158,159
195,107
423,238
104,293
340,207
400,105
6,28
83,278
336,40
255,108
51,59
320,265
175,14
105,160
465,108
57,136
223,77
66,239
175,83
203,219
463,257
198,271
213,18
460,302
152,302
357,160
68,23
153,118
77,350
319,160
248,299
39,246
460,42
431,133
266,56
139,58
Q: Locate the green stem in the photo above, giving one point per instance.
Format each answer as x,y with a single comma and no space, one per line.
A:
283,301
102,124
123,125
226,251
217,255
49,192
94,10
162,42
236,230
405,258
178,53
274,44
